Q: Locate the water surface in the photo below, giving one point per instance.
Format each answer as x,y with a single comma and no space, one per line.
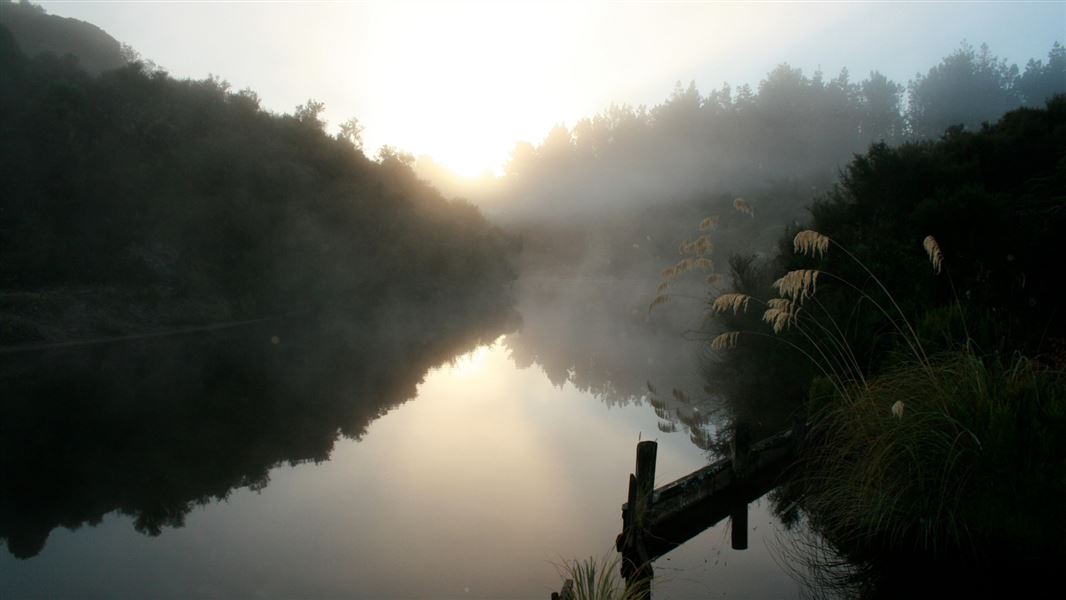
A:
453,465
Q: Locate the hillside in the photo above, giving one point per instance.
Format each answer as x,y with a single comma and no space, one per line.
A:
133,200
37,32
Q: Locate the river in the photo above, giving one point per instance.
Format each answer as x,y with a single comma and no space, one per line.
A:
468,462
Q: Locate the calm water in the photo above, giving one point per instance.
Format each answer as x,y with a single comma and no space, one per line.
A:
462,464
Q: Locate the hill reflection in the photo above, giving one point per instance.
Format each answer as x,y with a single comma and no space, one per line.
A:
155,428
596,334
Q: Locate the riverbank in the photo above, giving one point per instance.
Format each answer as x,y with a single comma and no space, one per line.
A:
78,313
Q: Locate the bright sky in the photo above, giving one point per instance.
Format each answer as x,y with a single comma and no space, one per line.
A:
463,81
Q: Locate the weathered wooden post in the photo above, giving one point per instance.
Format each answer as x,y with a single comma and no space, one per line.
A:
655,521
741,462
646,455
636,564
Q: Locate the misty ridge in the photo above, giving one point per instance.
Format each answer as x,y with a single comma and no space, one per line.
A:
615,193
791,127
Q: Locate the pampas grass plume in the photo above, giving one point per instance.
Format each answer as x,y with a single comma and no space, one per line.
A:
936,257
810,242
798,284
731,301
725,341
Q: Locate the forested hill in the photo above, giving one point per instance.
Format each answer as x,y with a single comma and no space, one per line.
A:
38,32
166,193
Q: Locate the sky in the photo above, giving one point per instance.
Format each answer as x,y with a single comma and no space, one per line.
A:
462,82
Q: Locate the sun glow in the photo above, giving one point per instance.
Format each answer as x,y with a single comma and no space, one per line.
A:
463,82
472,363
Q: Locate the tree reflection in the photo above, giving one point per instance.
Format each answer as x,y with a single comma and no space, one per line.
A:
152,429
594,333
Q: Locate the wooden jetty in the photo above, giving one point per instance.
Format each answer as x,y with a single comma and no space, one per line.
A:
657,520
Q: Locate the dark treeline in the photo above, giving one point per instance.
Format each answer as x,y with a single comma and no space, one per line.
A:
153,429
185,193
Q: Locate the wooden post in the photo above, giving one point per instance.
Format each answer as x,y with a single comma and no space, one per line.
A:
636,564
646,453
741,461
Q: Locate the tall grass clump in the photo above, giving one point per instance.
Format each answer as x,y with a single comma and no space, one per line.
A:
597,579
970,459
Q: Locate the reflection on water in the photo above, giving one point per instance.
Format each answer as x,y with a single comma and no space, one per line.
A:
598,335
493,474
154,428
292,468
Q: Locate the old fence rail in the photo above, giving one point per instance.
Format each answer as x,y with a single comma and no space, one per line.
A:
657,520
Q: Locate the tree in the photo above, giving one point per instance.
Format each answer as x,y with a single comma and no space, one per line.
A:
390,154
1042,81
967,88
308,114
880,102
351,131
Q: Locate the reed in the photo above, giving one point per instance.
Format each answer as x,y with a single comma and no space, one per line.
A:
598,579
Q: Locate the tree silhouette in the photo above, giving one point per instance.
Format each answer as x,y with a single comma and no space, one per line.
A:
967,88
